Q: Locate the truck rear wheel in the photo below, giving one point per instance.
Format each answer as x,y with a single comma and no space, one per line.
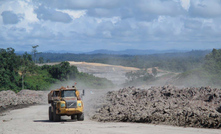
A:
56,117
50,114
80,117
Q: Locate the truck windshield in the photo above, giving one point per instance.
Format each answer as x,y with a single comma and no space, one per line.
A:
68,93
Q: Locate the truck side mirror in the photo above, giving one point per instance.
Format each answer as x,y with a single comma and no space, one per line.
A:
83,93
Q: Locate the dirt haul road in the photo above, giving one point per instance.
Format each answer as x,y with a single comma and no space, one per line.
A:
34,120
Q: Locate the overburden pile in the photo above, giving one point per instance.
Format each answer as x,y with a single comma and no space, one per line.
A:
9,99
193,107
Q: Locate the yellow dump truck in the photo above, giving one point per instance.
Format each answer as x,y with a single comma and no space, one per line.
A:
65,101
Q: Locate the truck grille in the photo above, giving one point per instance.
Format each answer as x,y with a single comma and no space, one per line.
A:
71,103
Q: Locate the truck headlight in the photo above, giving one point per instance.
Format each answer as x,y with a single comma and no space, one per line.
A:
79,104
62,105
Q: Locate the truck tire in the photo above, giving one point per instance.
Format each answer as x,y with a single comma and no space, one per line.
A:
73,117
56,117
80,117
50,114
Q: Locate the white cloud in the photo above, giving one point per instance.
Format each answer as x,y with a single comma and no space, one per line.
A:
93,24
45,13
185,4
113,19
28,11
159,7
107,34
205,8
80,4
73,13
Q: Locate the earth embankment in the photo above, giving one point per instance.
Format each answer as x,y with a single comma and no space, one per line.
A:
193,107
10,99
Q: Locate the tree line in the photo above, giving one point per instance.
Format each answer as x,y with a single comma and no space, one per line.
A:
178,62
208,74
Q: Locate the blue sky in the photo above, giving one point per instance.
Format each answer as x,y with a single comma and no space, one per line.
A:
86,25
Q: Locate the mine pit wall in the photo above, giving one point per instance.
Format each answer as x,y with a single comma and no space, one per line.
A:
189,107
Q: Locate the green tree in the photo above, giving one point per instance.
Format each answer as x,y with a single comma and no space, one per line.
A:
212,62
41,60
154,71
62,71
48,61
35,51
9,77
25,66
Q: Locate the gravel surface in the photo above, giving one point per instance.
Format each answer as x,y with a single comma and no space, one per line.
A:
194,107
34,120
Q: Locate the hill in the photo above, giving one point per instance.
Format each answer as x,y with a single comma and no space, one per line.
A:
134,52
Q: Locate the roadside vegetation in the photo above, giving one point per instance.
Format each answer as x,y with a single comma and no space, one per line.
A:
20,72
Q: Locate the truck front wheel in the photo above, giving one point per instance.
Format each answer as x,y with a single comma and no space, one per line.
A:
56,117
73,117
50,114
80,117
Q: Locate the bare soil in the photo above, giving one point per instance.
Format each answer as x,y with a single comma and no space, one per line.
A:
169,105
